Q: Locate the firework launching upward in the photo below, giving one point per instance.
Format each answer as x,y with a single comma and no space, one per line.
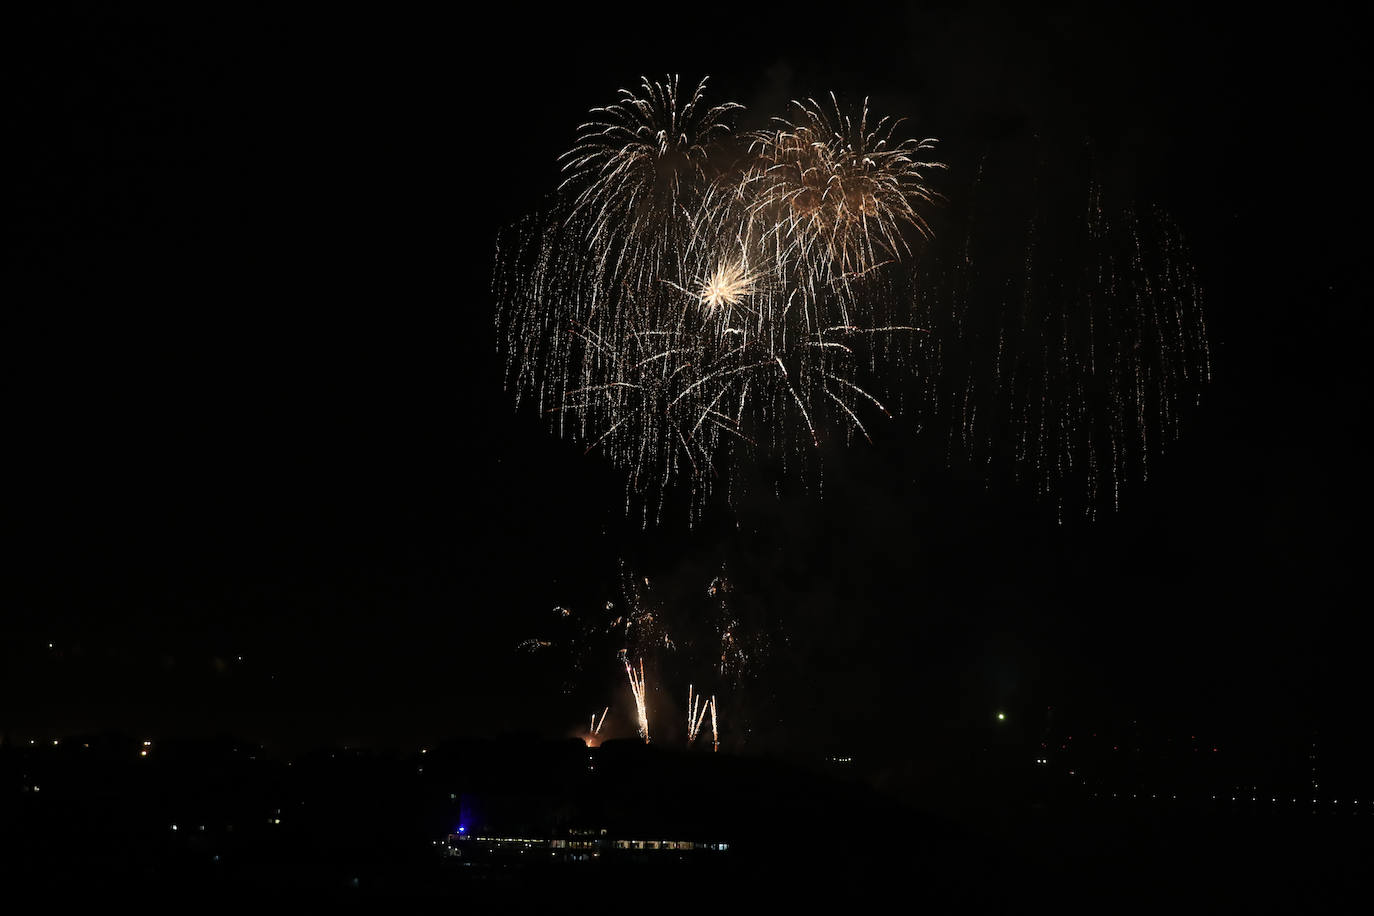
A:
695,294
696,714
637,688
728,645
715,730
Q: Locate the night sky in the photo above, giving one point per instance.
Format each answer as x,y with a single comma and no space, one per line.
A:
264,477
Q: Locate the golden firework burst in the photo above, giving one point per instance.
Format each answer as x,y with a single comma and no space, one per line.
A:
728,285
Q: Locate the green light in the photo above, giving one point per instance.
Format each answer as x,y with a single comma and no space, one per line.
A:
1001,716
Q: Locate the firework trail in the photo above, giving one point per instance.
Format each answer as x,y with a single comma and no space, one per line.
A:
637,688
1070,357
833,194
596,726
695,295
696,714
715,731
677,636
642,166
698,296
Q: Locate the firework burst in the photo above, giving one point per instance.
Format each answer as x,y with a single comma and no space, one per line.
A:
835,193
640,168
692,298
730,284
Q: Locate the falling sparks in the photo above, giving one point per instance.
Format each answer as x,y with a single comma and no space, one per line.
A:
696,295
643,627
836,192
1073,360
638,169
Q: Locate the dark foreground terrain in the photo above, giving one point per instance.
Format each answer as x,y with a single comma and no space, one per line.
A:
198,821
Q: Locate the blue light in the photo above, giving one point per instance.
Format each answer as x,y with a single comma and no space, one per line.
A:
462,829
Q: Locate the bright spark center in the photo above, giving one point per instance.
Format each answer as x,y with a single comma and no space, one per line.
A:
727,285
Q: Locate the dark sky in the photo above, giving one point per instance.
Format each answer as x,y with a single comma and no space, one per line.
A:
254,407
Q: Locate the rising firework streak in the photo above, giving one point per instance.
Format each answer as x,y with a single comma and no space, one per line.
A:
696,713
715,732
637,688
